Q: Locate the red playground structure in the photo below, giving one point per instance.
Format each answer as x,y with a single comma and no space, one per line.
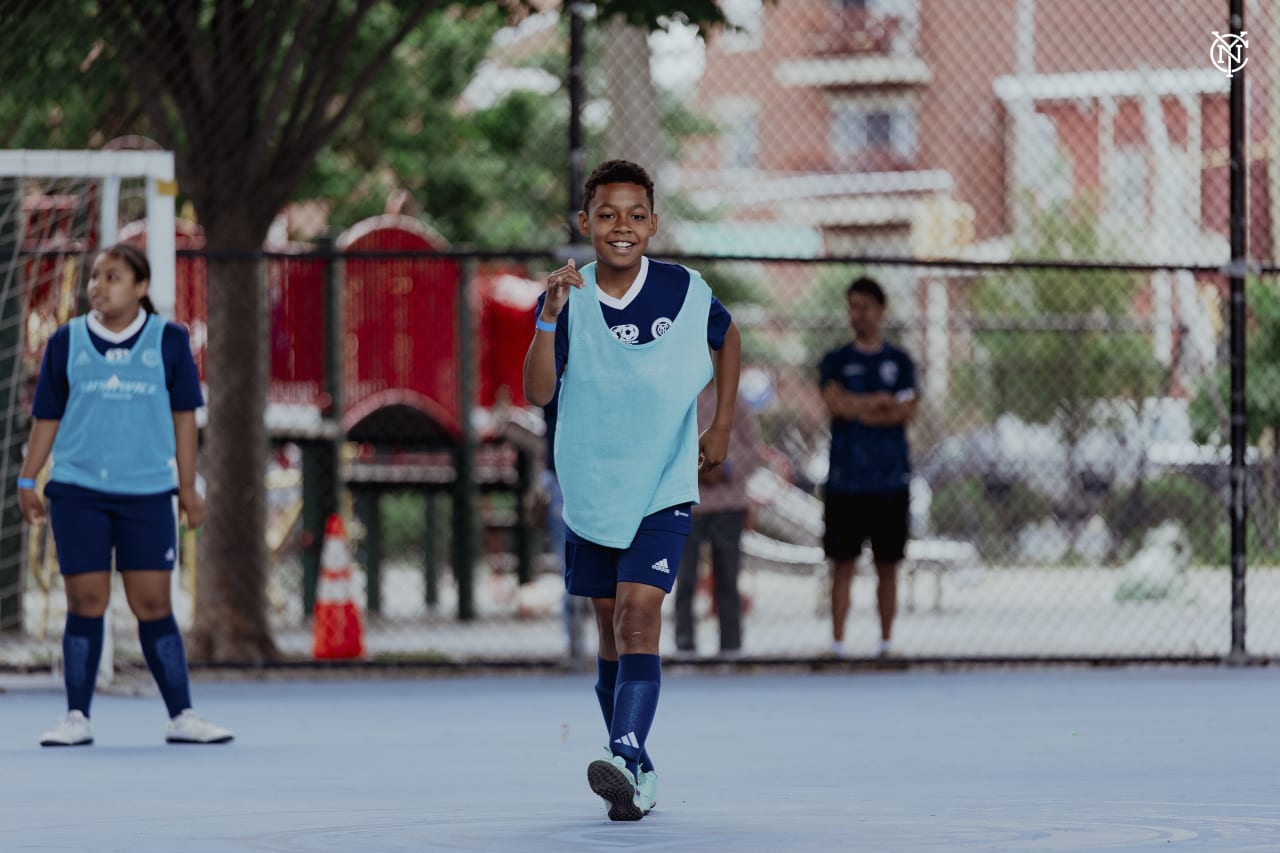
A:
376,342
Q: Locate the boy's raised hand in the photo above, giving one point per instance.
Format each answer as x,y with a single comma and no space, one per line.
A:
558,284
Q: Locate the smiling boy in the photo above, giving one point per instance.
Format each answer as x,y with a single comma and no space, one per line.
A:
625,345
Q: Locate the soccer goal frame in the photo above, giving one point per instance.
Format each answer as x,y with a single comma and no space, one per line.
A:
109,169
112,167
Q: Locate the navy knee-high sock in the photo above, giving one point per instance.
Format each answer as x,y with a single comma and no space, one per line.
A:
81,653
635,701
167,660
606,685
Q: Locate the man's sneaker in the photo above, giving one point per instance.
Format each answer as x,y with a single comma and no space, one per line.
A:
190,727
647,784
612,780
75,730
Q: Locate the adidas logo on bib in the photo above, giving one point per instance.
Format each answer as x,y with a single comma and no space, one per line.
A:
662,566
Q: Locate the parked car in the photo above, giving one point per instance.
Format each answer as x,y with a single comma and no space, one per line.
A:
1124,442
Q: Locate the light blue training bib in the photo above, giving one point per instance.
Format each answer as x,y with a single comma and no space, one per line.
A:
626,440
116,434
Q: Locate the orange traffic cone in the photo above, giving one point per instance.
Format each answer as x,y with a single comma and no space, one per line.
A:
338,632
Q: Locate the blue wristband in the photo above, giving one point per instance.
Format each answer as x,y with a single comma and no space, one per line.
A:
26,483
543,326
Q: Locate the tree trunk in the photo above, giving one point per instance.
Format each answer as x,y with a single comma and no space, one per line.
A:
231,624
635,117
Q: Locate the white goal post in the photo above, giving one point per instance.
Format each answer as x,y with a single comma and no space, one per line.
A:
104,180
156,167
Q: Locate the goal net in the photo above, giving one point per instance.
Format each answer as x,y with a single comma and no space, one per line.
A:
58,208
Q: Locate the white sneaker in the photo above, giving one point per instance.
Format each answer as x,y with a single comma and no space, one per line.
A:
75,730
647,785
837,649
613,782
190,727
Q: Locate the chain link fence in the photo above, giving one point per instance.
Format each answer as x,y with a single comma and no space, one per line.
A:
1042,188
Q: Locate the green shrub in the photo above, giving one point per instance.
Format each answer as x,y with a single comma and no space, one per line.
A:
966,509
1132,512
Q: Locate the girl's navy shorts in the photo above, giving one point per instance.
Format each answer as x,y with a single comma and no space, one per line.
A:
595,571
89,525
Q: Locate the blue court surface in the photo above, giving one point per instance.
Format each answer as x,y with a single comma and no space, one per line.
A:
1055,759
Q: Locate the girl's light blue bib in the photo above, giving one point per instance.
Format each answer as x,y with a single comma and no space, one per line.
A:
116,434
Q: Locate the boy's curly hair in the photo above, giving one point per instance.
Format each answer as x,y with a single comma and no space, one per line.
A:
617,172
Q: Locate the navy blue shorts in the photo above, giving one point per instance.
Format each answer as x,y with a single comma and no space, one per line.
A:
88,526
595,571
853,519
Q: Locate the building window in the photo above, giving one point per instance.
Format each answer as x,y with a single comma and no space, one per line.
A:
874,138
1048,172
741,141
1128,188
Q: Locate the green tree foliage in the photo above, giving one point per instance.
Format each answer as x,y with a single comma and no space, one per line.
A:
457,165
62,88
1056,342
1210,410
1262,367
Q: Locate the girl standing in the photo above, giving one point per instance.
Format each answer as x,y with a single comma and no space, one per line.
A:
115,403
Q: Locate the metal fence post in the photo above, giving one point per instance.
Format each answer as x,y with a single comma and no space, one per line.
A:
431,546
320,475
1239,415
365,503
464,486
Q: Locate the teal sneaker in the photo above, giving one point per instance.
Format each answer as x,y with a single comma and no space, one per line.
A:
611,780
647,784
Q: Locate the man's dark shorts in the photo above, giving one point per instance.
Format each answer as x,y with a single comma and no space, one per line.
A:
853,518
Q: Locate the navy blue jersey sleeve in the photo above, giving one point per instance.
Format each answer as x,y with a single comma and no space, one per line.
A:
827,368
906,374
180,374
52,385
717,324
562,333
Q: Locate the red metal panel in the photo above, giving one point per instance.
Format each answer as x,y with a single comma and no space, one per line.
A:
52,276
400,341
295,300
507,300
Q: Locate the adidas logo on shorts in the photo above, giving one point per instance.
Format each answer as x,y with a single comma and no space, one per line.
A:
662,566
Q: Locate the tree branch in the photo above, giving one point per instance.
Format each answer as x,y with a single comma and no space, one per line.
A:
195,54
313,73
283,75
328,83
316,134
142,74
237,76
144,34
